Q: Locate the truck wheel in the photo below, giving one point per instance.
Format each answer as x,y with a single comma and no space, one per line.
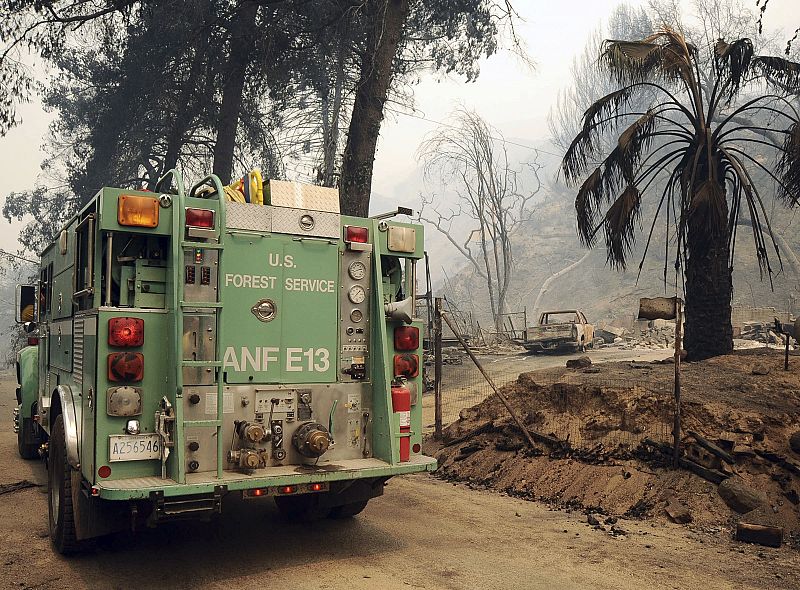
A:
303,508
27,441
348,510
59,493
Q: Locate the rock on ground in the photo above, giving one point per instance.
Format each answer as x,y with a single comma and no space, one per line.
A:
579,363
739,496
794,442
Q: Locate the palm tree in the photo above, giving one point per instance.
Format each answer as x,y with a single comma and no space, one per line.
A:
694,143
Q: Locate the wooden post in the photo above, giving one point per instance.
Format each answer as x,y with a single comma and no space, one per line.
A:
437,367
786,357
676,428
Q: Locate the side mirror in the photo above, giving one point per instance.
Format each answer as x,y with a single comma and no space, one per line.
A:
30,327
26,299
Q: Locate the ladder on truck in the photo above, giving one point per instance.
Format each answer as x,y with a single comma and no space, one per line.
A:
179,306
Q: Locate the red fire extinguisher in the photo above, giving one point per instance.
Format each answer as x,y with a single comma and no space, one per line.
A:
401,404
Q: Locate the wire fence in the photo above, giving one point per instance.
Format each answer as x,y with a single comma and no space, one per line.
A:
590,409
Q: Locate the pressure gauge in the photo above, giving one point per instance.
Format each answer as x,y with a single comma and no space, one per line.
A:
358,270
357,294
356,315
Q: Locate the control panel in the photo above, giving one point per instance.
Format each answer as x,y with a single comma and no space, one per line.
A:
356,274
200,274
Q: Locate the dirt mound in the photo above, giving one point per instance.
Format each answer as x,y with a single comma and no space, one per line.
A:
613,424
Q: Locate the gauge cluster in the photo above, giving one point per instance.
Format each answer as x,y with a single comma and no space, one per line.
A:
354,313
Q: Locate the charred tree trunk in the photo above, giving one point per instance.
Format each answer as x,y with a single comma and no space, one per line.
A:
233,90
709,288
388,18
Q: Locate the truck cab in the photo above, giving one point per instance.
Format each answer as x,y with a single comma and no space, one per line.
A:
565,330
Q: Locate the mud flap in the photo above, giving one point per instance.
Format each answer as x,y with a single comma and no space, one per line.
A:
348,492
95,517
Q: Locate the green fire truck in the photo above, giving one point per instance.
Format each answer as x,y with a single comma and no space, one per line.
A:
185,346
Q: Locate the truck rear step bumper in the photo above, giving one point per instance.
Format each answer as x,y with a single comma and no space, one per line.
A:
202,483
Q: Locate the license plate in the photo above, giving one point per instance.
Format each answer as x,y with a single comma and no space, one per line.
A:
134,447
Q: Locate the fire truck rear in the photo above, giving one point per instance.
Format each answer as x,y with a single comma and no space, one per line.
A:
191,347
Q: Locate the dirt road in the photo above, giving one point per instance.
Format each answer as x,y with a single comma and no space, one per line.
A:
423,533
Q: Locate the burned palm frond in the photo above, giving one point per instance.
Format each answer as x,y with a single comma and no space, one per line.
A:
631,61
619,224
600,114
576,158
779,72
586,207
788,166
635,141
676,59
707,209
735,59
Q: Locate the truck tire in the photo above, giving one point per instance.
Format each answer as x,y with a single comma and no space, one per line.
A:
302,508
27,441
348,510
59,493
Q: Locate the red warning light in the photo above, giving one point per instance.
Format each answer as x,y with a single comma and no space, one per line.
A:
288,489
126,331
406,365
354,233
200,218
125,366
316,487
104,471
406,338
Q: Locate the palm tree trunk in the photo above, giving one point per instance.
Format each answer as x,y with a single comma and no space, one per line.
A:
708,302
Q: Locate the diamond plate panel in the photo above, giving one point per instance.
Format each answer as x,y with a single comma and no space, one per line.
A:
303,196
287,221
247,216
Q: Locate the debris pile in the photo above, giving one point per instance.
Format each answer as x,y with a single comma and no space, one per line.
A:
740,459
766,333
654,334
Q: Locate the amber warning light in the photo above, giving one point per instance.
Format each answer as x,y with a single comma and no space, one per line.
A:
137,211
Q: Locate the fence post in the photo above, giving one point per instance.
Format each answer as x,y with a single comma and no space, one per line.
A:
437,367
676,428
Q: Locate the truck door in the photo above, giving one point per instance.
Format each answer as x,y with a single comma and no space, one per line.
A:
281,309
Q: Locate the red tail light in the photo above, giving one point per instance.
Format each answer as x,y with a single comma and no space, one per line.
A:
104,471
406,338
125,366
353,233
406,365
200,218
315,487
288,489
32,341
126,332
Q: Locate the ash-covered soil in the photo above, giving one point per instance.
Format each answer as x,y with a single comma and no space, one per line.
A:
612,465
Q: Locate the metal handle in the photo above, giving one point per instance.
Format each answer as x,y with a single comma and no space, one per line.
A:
170,175
210,180
249,234
310,239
